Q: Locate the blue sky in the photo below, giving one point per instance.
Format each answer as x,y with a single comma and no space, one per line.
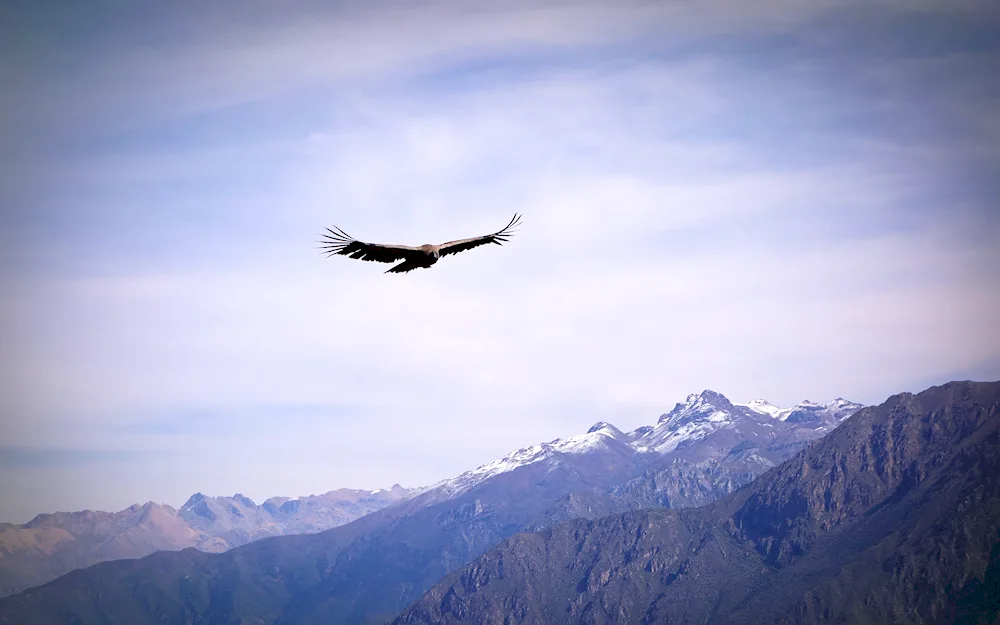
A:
785,200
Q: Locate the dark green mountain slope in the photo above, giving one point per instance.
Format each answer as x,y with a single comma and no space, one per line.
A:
894,517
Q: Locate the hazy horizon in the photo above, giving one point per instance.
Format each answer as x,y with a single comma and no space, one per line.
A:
261,498
784,200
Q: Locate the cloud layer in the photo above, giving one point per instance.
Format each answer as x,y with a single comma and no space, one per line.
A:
785,200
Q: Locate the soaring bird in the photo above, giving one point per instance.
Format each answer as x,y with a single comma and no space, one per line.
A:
339,242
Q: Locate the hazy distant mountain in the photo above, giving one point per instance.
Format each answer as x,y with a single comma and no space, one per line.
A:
369,570
51,545
892,518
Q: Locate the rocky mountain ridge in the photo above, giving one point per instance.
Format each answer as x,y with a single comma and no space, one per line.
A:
706,427
893,517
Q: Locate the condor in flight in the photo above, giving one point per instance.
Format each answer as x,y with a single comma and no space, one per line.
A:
340,242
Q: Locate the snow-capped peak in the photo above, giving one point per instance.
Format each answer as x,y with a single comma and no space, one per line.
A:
706,415
836,410
605,428
699,416
599,436
705,405
842,408
765,407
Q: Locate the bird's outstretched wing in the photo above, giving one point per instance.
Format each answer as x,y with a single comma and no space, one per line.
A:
501,237
339,242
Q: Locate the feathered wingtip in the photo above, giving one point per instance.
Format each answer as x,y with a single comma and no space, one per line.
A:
508,231
335,242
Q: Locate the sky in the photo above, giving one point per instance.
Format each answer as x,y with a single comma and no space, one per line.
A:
785,199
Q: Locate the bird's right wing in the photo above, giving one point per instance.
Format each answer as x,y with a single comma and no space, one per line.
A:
340,242
500,237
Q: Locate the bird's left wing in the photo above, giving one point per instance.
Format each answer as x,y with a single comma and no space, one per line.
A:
500,237
340,242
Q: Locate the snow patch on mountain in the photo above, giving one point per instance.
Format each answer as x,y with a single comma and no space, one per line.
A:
765,407
706,415
606,428
824,415
595,439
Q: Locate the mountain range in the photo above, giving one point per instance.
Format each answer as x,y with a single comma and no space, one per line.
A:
369,570
705,428
892,518
51,545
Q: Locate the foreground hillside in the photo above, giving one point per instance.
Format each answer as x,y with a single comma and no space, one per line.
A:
892,518
51,545
369,570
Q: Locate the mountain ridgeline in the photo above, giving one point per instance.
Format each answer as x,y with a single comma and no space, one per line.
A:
892,518
51,545
371,569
